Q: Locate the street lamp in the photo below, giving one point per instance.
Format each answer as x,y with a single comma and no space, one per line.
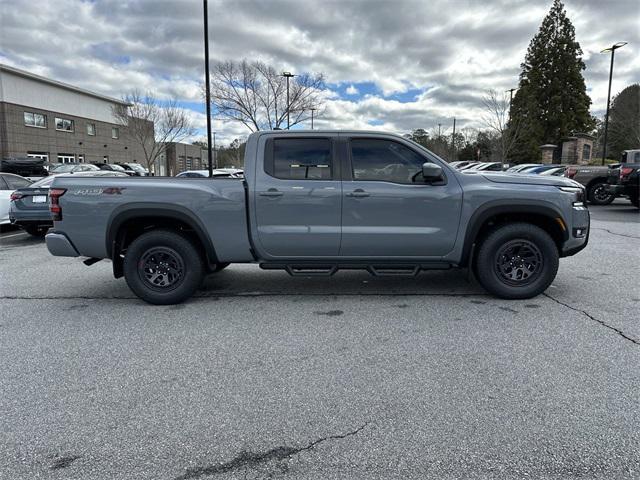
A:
612,49
288,75
207,84
312,110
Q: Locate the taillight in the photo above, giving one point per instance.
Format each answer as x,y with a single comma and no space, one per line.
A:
625,172
54,202
16,196
570,172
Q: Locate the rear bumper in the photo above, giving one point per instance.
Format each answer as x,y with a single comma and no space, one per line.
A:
59,245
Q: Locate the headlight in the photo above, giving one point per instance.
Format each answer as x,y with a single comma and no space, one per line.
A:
577,191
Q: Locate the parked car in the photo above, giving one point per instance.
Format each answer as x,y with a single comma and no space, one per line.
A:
27,167
557,171
29,206
624,180
522,166
469,165
539,169
135,168
8,183
72,168
314,203
461,163
218,173
489,167
113,167
594,178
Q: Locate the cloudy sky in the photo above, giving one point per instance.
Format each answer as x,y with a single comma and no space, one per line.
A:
392,65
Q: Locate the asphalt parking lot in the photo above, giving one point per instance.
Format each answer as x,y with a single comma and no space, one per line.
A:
267,376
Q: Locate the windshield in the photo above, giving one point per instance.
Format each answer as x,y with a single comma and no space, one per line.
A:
117,168
137,167
45,182
63,168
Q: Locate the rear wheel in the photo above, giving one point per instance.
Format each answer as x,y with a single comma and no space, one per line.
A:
597,194
517,261
163,267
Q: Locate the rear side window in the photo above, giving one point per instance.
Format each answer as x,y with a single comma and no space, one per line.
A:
299,159
385,161
16,182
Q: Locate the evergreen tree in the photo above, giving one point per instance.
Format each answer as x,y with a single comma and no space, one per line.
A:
552,101
624,122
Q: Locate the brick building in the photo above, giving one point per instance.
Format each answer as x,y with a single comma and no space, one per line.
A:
44,118
179,157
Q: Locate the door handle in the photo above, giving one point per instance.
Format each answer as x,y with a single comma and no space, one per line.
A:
359,193
272,192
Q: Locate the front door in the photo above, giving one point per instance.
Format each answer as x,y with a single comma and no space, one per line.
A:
298,198
388,208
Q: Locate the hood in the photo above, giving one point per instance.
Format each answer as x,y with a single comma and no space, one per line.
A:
524,179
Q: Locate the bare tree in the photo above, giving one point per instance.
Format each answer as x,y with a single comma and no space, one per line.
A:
496,118
255,95
153,125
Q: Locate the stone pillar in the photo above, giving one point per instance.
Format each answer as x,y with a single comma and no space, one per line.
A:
547,152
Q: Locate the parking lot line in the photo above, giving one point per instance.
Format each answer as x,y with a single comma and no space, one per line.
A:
14,235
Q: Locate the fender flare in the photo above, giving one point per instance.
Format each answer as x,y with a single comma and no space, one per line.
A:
498,207
159,210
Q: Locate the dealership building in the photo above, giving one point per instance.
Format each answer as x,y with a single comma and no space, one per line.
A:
44,118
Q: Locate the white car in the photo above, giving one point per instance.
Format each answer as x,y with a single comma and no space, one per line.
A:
8,183
218,172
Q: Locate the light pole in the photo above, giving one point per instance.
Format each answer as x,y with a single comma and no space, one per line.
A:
207,85
612,48
312,110
288,75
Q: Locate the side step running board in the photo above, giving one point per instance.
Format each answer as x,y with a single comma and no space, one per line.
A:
377,270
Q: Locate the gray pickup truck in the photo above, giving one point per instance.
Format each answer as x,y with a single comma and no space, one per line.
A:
315,202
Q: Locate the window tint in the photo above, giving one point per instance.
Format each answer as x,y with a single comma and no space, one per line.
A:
16,182
385,160
301,159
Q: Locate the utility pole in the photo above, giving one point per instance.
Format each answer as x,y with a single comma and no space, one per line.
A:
453,141
288,75
312,110
215,155
439,125
612,48
207,84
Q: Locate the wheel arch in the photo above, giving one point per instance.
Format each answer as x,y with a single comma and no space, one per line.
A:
541,214
129,222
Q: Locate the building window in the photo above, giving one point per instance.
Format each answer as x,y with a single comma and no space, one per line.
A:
66,158
80,158
115,132
64,124
91,129
189,163
586,152
105,159
37,120
41,155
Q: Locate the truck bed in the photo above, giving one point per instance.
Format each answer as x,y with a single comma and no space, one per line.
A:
93,208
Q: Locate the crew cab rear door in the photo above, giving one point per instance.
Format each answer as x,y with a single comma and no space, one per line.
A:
388,209
298,197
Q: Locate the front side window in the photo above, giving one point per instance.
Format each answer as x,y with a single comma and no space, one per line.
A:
301,159
35,120
385,161
115,133
64,124
91,129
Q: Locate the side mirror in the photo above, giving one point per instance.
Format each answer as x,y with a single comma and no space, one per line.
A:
431,172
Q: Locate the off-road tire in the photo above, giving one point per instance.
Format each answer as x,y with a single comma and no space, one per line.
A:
597,195
163,267
493,262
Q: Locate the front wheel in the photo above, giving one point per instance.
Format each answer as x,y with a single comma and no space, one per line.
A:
517,261
162,267
597,194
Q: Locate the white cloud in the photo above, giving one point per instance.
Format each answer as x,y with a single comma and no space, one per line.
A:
351,90
452,51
